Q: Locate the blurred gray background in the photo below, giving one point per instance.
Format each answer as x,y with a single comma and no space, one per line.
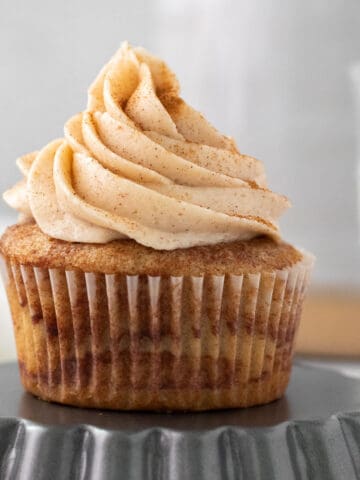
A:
275,75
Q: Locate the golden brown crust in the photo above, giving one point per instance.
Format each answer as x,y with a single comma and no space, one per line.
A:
28,245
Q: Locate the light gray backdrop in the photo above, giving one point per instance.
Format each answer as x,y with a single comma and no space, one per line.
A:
275,75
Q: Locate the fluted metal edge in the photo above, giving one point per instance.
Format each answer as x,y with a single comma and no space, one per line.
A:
291,450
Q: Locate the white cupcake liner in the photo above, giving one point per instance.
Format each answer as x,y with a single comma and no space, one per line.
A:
166,342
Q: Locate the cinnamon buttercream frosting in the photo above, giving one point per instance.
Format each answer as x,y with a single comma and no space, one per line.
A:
141,163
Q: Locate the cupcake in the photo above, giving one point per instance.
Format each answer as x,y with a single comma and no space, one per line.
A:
147,269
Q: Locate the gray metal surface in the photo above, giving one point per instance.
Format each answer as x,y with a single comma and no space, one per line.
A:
312,433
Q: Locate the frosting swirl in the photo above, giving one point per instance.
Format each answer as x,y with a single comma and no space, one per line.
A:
140,163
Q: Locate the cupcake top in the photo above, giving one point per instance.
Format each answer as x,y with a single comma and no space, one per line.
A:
140,163
28,245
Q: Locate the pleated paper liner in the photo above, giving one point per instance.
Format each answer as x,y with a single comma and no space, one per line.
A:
155,343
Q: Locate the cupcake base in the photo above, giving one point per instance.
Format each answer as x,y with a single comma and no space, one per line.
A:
259,391
142,342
